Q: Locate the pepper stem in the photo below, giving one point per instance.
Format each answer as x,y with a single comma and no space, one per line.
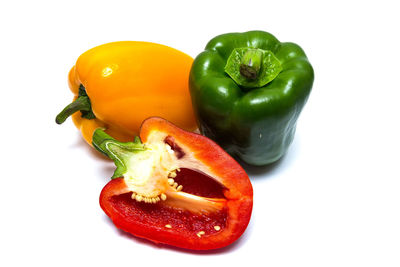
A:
252,67
82,103
120,152
251,64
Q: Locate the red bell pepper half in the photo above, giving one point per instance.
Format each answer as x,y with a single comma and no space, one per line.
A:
177,188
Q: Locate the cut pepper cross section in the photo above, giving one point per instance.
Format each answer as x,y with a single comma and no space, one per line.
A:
176,187
149,170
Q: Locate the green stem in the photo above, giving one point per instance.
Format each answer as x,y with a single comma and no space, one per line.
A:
252,68
98,139
119,152
82,103
251,64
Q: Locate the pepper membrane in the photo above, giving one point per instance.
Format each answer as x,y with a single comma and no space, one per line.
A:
175,187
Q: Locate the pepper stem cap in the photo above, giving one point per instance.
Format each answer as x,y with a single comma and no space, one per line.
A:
120,152
252,67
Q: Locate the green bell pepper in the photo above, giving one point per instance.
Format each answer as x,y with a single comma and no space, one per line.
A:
248,90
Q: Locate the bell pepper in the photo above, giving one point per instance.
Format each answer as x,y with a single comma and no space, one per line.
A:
118,85
248,90
175,187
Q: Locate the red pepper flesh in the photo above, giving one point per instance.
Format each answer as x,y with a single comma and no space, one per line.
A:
206,204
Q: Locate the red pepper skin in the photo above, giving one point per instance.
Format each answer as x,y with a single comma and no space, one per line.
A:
142,219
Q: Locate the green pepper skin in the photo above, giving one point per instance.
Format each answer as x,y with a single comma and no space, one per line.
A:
256,125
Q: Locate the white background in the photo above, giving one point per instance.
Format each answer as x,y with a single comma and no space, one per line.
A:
333,200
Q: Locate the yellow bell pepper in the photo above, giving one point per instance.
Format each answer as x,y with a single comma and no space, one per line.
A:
118,85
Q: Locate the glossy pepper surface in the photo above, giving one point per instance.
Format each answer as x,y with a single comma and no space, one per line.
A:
118,85
248,90
175,187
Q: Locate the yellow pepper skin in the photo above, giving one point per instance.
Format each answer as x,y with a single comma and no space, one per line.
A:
127,82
